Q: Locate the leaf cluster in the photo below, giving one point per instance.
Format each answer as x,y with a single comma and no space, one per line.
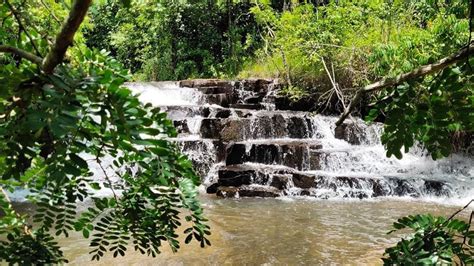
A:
436,240
69,137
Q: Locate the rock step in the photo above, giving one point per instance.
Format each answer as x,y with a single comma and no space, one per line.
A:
298,154
255,85
180,112
203,153
259,127
291,182
206,83
249,106
248,191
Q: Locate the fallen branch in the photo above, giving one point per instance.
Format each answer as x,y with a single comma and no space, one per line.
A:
66,36
22,53
419,72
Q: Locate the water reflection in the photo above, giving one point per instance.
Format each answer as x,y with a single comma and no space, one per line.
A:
282,232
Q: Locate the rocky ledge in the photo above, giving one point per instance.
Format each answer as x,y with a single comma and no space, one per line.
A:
274,181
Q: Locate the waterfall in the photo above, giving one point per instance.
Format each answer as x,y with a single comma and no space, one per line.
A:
243,144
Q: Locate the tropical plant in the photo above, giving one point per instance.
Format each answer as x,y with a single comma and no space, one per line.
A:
435,240
68,128
170,40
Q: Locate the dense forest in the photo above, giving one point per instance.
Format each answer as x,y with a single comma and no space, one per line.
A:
64,106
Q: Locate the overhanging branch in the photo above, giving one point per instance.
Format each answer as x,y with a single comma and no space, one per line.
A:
419,72
22,53
63,40
66,36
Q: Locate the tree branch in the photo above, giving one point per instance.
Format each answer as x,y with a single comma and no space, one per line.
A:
66,36
21,26
419,72
22,53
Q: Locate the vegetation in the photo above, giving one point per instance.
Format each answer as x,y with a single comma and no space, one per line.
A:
172,40
320,49
436,240
59,122
329,51
64,110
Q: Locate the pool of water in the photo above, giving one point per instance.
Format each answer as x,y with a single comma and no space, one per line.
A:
282,232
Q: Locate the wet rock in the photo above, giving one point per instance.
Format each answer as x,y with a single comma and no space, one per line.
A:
297,128
202,153
279,126
229,177
227,192
279,181
436,188
184,112
303,181
403,188
264,153
380,188
256,85
262,192
234,130
206,83
236,154
350,182
304,192
206,111
212,189
262,128
314,160
253,100
222,99
247,191
348,132
246,106
210,128
242,113
356,194
181,126
304,104
223,113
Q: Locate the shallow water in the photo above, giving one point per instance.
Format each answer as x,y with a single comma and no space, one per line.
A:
282,232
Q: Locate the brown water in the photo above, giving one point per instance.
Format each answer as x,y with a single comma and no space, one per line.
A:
281,232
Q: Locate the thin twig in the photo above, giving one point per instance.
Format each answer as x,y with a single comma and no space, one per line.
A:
50,12
467,230
22,27
107,179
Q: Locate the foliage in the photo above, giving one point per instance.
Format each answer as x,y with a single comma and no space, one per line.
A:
436,240
362,41
163,40
442,107
57,130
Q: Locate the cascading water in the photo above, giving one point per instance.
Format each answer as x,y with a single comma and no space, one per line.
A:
244,146
251,148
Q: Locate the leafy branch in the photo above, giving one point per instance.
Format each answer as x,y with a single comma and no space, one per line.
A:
417,73
64,39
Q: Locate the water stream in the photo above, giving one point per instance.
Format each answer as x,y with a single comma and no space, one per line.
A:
243,143
282,232
336,193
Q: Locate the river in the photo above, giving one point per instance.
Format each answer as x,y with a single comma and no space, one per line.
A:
282,231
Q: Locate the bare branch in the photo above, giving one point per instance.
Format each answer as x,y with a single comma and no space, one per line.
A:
419,72
22,53
66,36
